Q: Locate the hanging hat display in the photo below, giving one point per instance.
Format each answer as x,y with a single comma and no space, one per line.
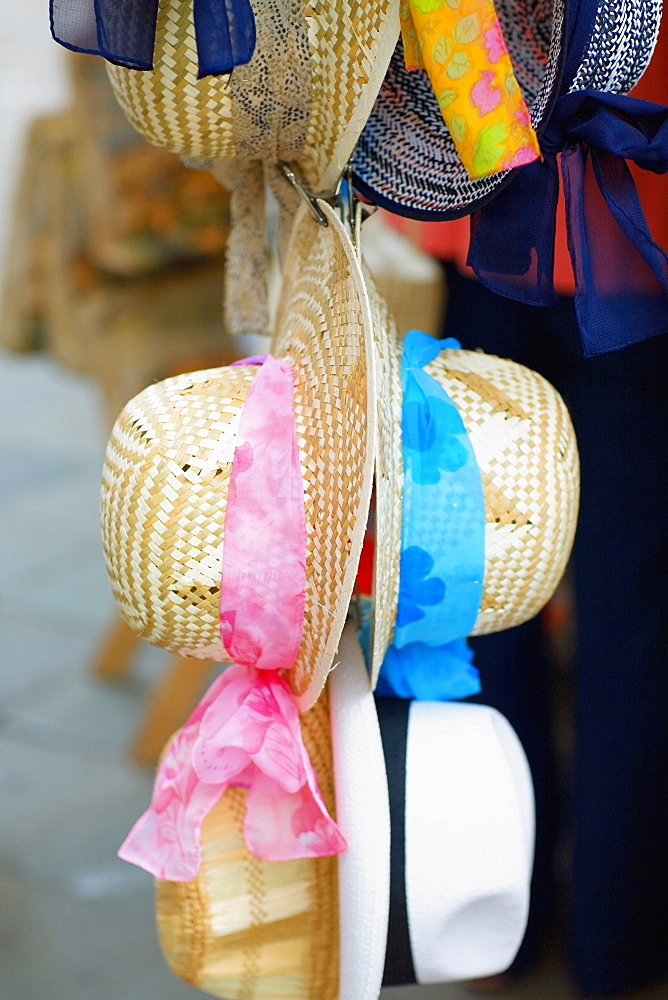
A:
477,489
302,846
439,867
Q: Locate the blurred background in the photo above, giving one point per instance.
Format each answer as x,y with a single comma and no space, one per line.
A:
111,264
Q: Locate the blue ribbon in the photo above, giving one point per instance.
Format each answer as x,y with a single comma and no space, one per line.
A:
442,540
621,274
123,31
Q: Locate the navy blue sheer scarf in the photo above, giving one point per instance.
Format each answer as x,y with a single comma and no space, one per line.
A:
123,31
621,274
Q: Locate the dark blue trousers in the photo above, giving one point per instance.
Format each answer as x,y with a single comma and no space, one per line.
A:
615,802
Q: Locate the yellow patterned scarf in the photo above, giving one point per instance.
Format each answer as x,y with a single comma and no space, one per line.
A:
460,44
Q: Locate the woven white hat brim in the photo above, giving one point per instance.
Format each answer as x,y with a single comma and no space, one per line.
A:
469,835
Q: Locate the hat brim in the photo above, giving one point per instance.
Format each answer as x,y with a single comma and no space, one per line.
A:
363,815
324,329
389,480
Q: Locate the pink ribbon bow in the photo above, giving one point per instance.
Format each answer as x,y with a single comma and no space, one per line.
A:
246,731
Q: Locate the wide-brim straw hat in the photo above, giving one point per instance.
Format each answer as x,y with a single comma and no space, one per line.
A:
526,451
317,929
406,160
168,464
303,98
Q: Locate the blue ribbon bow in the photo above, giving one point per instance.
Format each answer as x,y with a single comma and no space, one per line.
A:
621,274
123,31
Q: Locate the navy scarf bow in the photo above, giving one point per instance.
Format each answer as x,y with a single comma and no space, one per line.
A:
621,274
123,31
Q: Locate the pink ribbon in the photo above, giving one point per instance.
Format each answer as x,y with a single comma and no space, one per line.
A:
264,550
246,731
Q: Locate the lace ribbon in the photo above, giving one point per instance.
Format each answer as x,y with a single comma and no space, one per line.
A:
621,274
443,540
123,31
460,43
246,730
246,306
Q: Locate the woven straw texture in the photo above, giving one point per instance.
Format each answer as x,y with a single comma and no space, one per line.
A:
621,46
526,451
169,459
324,328
247,929
304,96
389,478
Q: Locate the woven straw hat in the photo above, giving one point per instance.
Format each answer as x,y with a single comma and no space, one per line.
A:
406,160
525,447
304,96
168,465
246,927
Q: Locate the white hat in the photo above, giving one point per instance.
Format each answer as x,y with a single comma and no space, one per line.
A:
461,789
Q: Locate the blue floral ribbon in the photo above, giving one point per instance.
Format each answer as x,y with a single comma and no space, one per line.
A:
123,31
443,540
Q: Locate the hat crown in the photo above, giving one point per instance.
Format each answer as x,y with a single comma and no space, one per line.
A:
526,450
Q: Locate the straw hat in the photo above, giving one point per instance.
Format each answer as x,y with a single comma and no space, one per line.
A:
247,927
302,100
168,465
269,929
303,97
526,452
406,160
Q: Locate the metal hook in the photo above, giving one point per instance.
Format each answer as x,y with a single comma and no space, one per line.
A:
351,210
314,208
